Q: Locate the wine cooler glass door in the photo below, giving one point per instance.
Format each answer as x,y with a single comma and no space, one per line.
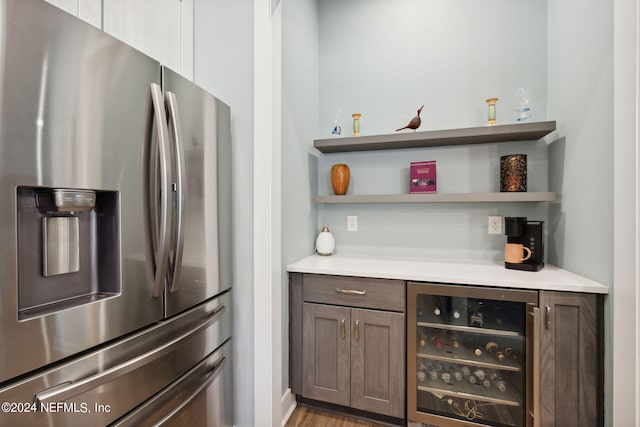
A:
470,355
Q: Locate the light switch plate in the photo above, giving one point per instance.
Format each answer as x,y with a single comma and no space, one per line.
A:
352,223
495,224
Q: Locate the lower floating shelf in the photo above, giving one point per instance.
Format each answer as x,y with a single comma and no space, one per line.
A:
538,196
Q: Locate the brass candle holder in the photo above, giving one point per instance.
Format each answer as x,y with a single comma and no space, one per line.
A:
491,119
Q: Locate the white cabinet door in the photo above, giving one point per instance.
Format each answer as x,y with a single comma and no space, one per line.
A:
163,29
87,10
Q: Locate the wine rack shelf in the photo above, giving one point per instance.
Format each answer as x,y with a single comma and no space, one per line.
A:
470,329
485,396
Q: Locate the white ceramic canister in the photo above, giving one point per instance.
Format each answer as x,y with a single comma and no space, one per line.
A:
325,243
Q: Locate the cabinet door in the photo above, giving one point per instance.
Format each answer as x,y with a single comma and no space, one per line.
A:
377,362
87,10
163,29
325,353
569,359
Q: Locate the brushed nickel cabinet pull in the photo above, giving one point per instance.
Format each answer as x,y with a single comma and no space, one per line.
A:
357,330
350,291
343,332
547,317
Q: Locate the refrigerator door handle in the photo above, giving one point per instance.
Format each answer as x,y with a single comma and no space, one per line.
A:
158,253
67,390
210,376
176,130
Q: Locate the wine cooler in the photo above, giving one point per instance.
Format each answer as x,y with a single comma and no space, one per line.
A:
470,355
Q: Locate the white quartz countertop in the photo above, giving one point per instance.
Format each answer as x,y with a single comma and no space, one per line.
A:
473,272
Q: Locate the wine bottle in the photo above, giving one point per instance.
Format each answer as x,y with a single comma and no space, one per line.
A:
479,373
500,385
446,377
493,348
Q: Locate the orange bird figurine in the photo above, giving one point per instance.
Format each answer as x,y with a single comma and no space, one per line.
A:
414,123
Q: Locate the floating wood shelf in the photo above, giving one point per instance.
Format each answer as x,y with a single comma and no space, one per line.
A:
477,135
440,198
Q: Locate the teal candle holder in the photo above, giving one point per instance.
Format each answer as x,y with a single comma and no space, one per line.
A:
356,124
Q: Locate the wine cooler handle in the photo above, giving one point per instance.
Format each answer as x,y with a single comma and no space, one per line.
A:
357,330
547,317
343,332
536,364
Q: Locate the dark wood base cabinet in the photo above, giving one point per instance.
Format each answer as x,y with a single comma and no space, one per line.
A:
463,356
347,342
571,360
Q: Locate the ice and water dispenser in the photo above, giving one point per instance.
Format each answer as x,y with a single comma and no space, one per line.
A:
68,248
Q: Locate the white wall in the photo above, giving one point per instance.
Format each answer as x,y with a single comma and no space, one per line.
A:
623,404
299,121
223,51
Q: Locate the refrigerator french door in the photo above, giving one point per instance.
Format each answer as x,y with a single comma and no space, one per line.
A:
200,137
75,115
470,356
115,177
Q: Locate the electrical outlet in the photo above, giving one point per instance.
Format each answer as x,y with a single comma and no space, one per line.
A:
495,224
352,223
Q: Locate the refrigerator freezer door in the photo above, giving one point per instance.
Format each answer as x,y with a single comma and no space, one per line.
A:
103,386
200,398
75,113
203,249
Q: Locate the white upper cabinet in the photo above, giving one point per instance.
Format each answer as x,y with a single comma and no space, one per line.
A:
87,10
163,29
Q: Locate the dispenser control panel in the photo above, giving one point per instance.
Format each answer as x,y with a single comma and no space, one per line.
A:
66,200
73,200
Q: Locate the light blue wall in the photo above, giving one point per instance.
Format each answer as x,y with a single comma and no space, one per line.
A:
299,121
384,59
457,231
580,87
223,65
580,97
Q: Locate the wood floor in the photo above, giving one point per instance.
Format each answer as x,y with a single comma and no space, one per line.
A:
306,417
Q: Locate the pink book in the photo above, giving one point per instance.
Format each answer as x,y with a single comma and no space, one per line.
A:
422,177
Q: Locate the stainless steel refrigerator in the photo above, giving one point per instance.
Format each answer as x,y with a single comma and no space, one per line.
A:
115,232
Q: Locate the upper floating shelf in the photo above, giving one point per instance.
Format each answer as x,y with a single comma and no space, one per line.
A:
440,198
433,138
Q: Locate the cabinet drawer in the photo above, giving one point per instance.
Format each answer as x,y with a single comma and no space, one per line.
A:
383,294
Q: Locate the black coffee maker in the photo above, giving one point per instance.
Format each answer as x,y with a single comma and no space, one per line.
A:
529,234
